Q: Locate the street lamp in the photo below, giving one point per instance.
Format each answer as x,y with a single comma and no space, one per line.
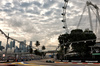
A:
64,52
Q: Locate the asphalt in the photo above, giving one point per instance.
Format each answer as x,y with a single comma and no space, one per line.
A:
42,62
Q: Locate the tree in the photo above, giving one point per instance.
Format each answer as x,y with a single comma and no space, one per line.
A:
43,47
89,35
77,35
37,52
82,48
37,43
62,40
43,53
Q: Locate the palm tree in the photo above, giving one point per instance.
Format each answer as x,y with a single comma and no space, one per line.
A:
43,53
37,43
43,47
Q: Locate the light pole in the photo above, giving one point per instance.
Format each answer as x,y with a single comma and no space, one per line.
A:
64,52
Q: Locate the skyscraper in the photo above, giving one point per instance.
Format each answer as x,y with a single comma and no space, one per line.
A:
13,43
7,46
31,43
24,41
22,46
0,43
17,49
1,47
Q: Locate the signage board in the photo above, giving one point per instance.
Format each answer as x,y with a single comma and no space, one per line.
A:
95,53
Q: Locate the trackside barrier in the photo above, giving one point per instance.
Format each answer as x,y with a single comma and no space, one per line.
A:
79,61
76,63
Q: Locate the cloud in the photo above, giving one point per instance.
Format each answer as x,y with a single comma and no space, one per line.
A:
37,3
7,10
48,13
21,23
41,20
1,19
25,4
15,21
8,5
48,3
96,2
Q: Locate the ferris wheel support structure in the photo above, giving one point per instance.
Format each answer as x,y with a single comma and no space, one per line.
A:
97,16
90,16
97,13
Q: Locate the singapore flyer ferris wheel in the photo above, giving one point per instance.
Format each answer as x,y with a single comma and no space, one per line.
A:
64,15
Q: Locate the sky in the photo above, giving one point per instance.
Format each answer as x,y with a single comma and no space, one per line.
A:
40,20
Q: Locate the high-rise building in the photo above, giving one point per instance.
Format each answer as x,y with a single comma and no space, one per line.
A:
17,49
22,46
24,41
0,43
28,48
7,46
31,43
13,43
1,47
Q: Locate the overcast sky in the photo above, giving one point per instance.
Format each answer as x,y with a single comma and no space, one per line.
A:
33,20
